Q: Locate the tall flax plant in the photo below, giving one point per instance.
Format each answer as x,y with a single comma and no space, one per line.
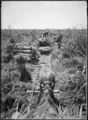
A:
76,45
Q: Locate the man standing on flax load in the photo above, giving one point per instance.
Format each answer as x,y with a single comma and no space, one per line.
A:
44,41
45,35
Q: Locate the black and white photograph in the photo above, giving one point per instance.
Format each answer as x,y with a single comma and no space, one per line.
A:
44,60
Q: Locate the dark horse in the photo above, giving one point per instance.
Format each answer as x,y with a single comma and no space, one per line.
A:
47,100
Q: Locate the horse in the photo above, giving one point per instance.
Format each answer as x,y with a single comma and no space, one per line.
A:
46,97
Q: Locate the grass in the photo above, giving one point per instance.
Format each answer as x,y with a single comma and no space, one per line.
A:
64,62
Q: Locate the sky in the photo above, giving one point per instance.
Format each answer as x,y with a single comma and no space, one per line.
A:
43,14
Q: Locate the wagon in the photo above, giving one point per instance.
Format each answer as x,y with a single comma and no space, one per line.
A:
46,49
24,47
25,51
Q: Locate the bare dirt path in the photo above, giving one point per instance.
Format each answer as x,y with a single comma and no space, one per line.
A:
45,59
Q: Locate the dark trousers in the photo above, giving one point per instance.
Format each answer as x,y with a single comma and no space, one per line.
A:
59,45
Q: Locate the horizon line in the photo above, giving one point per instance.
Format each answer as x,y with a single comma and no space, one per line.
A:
41,28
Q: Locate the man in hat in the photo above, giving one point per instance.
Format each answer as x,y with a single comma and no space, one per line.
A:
58,41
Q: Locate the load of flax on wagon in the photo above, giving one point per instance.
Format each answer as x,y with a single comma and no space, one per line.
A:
44,44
